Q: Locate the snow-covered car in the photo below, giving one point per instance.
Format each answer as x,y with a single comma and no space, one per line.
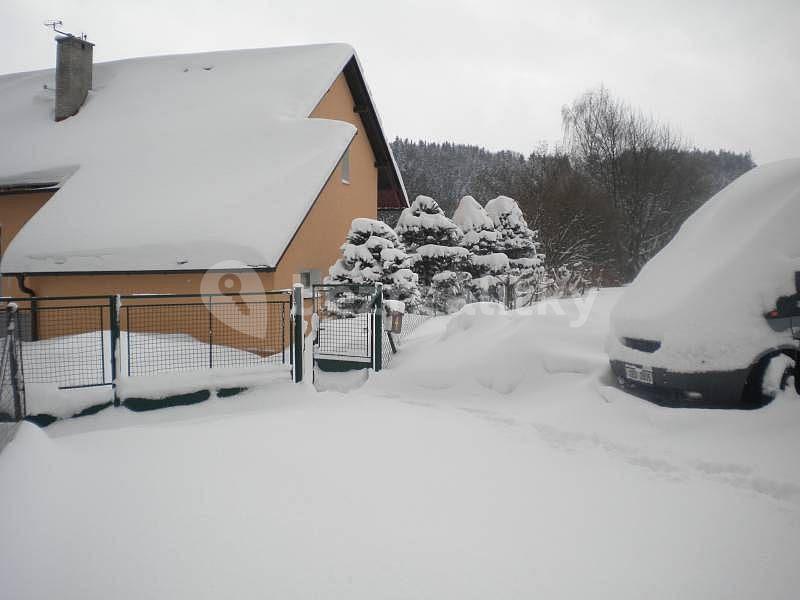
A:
714,316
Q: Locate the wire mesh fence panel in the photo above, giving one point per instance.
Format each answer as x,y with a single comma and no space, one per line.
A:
205,332
345,321
67,346
389,348
66,342
248,334
393,340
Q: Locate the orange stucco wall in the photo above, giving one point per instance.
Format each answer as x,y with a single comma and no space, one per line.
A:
15,211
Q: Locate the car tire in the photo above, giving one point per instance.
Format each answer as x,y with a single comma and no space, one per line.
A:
766,379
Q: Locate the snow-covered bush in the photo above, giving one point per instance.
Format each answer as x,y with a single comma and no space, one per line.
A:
525,280
570,280
515,239
373,253
487,264
480,236
424,223
447,292
434,240
486,289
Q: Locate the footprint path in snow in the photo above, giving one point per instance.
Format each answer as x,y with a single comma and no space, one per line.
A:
739,476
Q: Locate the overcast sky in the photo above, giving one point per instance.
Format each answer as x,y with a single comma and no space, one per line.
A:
491,72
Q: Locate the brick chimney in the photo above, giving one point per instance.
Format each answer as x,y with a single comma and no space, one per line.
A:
73,74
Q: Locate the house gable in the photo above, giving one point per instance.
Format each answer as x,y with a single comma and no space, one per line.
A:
315,245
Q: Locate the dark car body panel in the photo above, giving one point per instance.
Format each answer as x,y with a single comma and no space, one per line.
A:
715,388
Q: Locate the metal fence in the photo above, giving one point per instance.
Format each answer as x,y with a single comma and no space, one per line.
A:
12,390
394,340
352,327
64,341
162,334
68,342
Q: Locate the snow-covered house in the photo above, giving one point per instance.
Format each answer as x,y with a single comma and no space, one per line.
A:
177,165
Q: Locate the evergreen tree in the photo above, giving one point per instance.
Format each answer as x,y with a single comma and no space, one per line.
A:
434,239
486,264
526,274
373,253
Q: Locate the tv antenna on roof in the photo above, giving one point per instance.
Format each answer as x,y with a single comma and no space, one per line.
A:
54,25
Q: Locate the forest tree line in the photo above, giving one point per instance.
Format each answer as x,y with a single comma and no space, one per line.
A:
609,198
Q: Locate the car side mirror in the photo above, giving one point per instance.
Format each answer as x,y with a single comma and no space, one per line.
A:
797,281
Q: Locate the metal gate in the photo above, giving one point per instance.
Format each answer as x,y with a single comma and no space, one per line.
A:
346,327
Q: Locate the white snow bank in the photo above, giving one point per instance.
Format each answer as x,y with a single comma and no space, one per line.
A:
704,295
183,161
163,385
511,351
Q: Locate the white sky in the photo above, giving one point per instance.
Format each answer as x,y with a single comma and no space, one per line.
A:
491,72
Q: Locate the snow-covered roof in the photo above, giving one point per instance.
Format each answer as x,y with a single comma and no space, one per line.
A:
182,161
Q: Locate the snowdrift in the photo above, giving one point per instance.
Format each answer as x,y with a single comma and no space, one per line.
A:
507,351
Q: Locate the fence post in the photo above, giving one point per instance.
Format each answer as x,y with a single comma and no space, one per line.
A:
299,338
210,332
113,312
377,358
12,343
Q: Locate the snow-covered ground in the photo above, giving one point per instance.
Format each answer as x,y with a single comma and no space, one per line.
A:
491,460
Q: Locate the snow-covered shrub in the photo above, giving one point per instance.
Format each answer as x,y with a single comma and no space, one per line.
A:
434,240
373,253
480,236
486,289
570,280
487,264
515,239
447,292
525,280
424,223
